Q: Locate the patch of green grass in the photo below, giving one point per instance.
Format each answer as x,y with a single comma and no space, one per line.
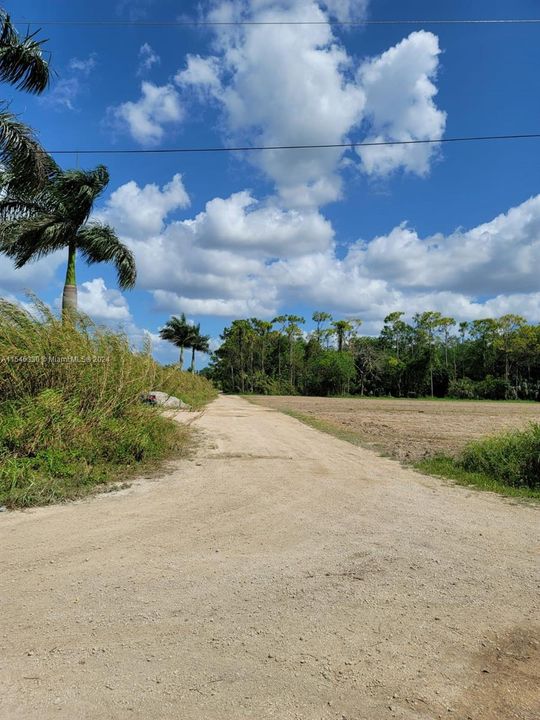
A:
50,453
448,468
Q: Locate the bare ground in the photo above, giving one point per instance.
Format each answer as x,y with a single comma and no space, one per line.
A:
282,574
410,430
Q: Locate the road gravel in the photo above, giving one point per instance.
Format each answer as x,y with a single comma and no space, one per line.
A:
279,573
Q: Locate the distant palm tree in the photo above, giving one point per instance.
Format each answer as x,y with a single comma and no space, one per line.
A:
21,64
179,332
35,224
341,329
319,318
199,343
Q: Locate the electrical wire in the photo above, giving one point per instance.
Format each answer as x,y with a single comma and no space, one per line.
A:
250,148
233,23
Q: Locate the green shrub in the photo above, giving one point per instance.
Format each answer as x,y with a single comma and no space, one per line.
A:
492,388
512,458
462,389
71,416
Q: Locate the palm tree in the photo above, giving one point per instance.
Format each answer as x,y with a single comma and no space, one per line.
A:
179,332
293,332
21,64
35,224
319,318
341,329
200,343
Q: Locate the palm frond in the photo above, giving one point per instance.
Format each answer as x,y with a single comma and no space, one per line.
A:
99,243
28,166
30,239
14,209
77,190
201,343
178,331
21,59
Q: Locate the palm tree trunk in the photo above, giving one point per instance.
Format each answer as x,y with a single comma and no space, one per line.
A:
181,358
192,368
69,297
291,372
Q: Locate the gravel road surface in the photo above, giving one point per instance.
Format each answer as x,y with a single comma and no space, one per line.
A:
280,573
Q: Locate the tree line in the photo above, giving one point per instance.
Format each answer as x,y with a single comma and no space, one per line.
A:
433,355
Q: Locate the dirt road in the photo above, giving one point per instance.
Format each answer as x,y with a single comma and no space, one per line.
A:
279,574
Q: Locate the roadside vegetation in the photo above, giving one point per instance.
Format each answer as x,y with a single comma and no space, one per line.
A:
71,410
508,463
432,356
71,416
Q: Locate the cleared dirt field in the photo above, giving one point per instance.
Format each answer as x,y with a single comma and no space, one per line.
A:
410,430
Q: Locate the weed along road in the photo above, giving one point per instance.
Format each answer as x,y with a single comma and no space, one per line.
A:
280,573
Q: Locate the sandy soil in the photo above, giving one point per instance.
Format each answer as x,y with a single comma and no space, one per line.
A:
411,430
281,573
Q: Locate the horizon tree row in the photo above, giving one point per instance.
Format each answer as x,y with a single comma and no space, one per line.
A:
433,355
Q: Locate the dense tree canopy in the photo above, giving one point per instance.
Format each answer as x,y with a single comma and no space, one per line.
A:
495,358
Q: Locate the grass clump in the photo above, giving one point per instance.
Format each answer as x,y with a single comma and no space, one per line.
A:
513,458
507,463
71,417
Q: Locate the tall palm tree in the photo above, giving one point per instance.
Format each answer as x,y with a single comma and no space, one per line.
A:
319,318
199,343
179,332
23,65
341,329
35,224
293,333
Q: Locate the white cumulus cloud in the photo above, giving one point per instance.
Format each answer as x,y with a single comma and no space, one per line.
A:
297,85
146,119
33,276
243,257
283,85
102,303
83,65
140,212
400,91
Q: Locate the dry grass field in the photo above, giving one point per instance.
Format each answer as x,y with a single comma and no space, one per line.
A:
408,430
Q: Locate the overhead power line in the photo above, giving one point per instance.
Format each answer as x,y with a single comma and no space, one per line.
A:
233,23
250,148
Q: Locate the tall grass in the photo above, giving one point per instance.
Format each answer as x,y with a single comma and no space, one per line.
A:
512,458
508,463
70,410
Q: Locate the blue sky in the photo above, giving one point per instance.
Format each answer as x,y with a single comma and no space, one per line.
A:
454,228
